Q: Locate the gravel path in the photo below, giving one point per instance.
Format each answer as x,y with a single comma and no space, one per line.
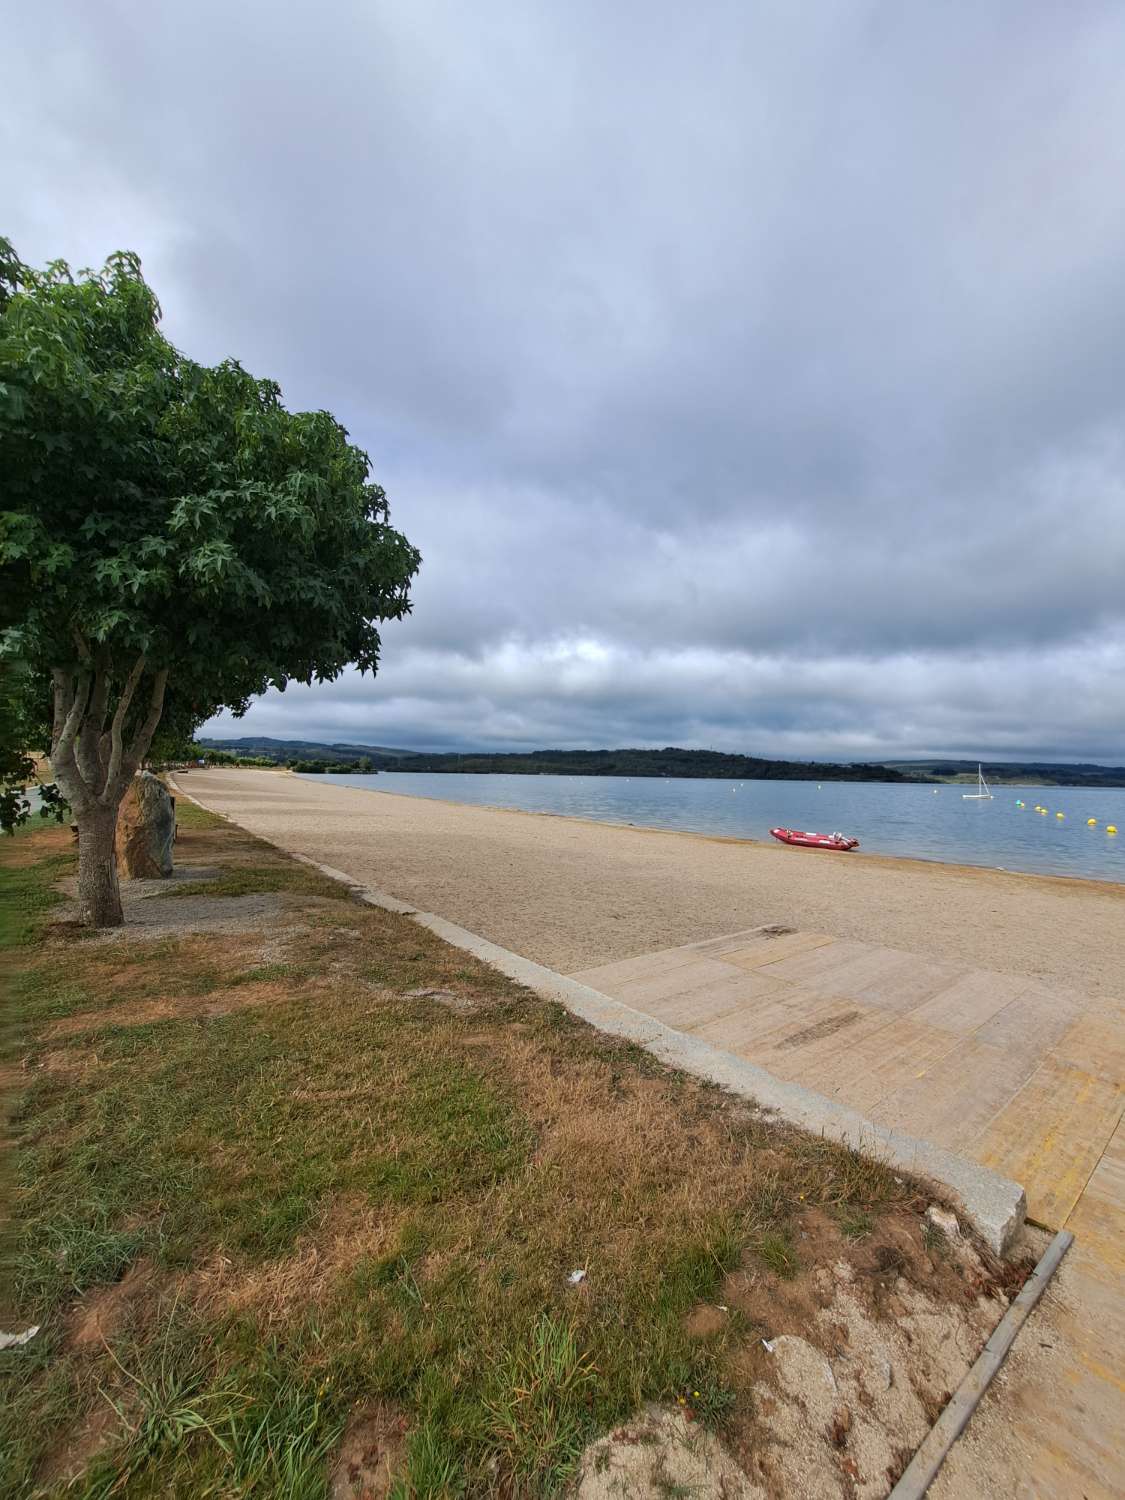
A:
573,894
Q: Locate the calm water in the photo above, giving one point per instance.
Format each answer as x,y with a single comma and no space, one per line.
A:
907,820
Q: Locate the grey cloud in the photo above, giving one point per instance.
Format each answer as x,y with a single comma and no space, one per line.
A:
712,336
851,706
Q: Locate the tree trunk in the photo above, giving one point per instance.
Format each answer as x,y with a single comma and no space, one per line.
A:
99,896
93,766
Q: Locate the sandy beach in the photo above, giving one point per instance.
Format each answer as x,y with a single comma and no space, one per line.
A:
571,893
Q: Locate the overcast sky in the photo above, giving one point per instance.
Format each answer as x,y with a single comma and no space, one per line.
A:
750,375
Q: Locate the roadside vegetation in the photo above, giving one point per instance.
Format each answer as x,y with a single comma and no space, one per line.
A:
300,1193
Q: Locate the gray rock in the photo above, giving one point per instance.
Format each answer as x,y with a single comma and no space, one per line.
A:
146,830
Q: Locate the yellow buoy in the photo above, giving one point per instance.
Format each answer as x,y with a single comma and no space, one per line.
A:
1111,829
1060,815
1091,822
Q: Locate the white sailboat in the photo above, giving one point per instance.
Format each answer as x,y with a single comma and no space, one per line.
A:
983,792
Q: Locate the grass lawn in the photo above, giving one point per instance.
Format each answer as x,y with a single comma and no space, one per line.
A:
307,1174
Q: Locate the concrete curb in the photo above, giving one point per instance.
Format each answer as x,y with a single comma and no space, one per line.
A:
995,1206
935,1447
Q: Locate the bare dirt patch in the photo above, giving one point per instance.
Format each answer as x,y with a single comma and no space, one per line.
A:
103,1312
661,1453
77,1446
460,1004
704,1321
157,917
851,1361
370,1454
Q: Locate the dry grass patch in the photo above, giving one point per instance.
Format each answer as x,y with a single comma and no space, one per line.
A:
348,1232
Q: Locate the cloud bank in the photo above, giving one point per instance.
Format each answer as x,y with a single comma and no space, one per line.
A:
748,377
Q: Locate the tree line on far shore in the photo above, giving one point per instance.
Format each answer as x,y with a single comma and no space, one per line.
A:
671,762
668,762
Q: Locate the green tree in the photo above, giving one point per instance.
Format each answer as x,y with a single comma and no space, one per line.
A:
172,539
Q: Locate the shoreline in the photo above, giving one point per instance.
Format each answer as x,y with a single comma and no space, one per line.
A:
866,856
573,893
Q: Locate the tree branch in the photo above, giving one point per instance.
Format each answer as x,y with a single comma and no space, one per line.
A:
63,692
70,705
65,741
143,737
116,729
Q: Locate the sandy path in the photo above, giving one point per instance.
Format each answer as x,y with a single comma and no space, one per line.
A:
573,894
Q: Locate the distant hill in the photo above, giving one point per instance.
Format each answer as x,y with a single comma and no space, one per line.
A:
672,762
284,751
1015,772
668,762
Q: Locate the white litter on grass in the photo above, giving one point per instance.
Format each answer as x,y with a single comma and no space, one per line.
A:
769,1345
575,1277
13,1340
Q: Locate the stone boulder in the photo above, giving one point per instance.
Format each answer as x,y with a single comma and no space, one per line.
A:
146,829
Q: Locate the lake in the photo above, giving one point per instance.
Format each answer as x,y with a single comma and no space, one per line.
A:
887,819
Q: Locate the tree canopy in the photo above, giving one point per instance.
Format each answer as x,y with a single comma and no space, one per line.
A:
173,539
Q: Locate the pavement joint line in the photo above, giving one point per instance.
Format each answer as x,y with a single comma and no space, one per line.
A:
996,1206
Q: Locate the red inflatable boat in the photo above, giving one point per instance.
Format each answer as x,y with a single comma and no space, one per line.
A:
814,840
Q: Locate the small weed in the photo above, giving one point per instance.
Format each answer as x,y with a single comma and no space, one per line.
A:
432,1470
267,973
280,1440
540,1410
855,1223
671,1489
192,819
890,1261
934,1239
166,1402
708,1398
777,1251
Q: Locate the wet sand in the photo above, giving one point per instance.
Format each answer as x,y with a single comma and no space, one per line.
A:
573,894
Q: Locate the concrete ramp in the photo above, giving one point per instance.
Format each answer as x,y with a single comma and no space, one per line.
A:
1023,1078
